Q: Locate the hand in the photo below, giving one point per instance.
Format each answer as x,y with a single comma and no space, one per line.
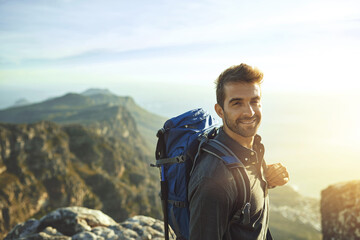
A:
276,175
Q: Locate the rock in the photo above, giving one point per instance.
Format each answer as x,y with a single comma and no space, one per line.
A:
86,236
52,231
144,226
340,211
44,236
72,220
104,232
23,229
79,223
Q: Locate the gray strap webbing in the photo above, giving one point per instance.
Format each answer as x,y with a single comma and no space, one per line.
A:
175,223
244,186
244,211
223,146
220,147
177,159
178,204
204,140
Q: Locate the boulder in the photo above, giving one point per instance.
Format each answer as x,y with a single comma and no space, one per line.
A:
79,223
340,211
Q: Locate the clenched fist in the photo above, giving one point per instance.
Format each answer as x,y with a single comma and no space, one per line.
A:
276,175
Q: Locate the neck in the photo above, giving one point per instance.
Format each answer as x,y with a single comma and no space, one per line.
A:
243,141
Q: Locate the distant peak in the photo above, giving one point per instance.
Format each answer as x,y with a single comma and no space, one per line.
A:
95,91
21,102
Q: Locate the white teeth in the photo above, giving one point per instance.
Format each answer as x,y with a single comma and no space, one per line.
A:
248,122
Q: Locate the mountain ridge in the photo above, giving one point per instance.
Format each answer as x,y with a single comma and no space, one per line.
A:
62,109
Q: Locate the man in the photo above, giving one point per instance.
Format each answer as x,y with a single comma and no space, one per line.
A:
212,188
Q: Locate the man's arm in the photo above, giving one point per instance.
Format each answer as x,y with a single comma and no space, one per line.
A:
210,208
276,175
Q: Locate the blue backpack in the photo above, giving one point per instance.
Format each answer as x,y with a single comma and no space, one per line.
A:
180,142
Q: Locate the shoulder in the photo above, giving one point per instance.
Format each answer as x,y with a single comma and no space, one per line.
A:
211,173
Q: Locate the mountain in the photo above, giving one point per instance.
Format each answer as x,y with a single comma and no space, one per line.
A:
89,108
293,216
45,166
21,102
96,91
148,123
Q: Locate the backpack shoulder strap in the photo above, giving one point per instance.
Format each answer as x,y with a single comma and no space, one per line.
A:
237,168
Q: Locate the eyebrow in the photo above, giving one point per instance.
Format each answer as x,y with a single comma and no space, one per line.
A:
242,99
236,99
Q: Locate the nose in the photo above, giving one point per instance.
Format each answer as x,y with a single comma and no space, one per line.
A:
248,110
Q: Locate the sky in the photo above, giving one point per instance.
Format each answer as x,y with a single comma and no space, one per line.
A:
167,54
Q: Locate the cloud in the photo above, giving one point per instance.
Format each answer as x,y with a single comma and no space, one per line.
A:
59,29
81,26
195,36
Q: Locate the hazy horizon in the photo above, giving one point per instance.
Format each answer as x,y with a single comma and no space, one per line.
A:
304,132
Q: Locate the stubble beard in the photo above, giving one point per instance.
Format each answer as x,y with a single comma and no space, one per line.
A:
247,131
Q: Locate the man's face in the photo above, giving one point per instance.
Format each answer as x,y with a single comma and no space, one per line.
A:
242,109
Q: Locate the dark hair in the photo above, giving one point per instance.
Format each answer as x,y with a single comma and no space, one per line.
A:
238,73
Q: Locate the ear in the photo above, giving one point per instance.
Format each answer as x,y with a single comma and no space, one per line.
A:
219,110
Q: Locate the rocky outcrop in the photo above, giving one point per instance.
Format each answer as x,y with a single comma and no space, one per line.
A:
340,211
44,166
84,224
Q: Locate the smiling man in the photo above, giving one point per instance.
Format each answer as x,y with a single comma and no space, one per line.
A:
213,191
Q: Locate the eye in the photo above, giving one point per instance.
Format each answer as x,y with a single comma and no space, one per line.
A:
255,101
237,103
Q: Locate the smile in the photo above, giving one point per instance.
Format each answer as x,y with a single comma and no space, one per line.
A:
247,121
